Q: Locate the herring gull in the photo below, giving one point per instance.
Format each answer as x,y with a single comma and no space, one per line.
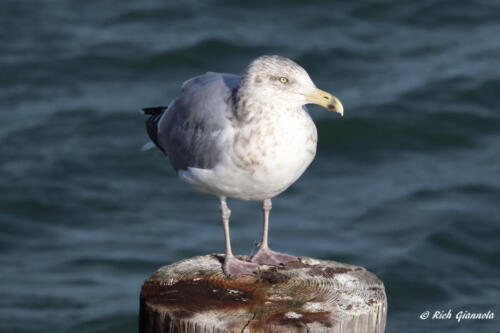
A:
247,137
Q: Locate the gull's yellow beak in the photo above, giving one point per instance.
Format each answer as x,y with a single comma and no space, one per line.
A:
326,100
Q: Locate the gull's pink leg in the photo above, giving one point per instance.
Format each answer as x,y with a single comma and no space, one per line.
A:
232,265
265,256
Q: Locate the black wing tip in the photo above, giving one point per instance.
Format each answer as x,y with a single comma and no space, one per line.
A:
154,110
155,114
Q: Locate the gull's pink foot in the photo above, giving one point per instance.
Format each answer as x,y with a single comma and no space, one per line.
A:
233,267
268,257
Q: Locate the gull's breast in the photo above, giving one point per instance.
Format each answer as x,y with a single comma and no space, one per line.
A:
274,151
260,159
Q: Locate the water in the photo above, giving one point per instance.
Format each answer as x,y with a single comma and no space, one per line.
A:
406,184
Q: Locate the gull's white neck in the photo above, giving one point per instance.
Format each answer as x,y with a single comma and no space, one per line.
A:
253,105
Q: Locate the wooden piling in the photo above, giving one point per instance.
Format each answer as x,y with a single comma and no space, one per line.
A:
310,295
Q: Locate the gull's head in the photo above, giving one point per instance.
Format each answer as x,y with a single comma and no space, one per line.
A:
280,81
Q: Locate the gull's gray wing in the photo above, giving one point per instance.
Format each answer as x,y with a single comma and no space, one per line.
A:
188,131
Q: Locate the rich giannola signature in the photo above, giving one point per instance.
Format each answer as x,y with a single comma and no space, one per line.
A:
458,315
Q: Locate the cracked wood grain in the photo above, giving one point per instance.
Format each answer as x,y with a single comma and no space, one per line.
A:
310,295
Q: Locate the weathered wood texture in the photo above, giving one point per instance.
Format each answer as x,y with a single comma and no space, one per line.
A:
311,295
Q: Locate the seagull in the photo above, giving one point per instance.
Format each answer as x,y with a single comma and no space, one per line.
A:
245,136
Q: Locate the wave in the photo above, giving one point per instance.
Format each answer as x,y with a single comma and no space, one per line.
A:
393,128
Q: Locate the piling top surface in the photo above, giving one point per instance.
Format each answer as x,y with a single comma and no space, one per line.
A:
305,294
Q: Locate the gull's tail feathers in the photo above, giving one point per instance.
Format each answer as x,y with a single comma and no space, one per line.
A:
148,146
155,113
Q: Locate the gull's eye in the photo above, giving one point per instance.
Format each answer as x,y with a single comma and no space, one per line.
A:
283,79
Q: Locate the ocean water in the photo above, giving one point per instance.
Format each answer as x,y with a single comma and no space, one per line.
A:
406,184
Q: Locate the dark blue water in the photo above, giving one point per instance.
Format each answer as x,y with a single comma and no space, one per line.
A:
407,184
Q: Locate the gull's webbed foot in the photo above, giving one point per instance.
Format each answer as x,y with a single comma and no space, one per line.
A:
234,266
268,257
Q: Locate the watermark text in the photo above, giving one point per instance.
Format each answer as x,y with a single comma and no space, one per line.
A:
458,315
